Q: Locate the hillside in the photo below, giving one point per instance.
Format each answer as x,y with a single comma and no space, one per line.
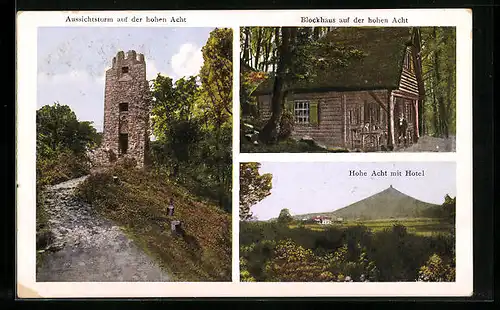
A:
389,203
138,203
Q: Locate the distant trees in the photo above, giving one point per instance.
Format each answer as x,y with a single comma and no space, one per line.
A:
285,217
58,129
192,123
439,75
253,187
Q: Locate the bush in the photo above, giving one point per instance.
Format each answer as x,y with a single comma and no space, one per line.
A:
293,263
286,125
61,167
436,270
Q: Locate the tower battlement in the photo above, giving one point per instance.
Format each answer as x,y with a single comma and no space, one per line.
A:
132,57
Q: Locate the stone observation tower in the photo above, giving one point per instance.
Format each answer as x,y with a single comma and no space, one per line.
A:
126,110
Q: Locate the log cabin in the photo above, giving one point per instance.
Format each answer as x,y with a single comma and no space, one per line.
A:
371,104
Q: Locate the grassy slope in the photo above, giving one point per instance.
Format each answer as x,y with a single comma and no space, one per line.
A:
139,204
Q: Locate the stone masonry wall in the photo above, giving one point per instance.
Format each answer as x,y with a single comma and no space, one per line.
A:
125,86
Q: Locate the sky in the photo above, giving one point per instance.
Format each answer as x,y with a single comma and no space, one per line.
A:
323,186
72,61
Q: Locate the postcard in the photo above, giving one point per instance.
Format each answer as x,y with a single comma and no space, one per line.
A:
248,153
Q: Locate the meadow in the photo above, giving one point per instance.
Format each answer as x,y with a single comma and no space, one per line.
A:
417,226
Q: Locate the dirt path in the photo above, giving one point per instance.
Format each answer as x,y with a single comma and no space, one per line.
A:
432,144
88,247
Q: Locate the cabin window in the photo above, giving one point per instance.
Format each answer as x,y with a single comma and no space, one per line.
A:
124,69
123,142
301,108
123,107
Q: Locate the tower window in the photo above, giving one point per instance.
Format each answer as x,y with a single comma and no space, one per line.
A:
123,106
123,141
124,69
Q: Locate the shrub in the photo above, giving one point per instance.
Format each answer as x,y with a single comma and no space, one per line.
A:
98,190
293,263
436,270
286,125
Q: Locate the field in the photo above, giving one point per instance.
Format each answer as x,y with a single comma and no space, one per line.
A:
417,226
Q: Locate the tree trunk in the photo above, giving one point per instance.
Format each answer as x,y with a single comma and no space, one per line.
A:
267,51
440,99
421,88
316,32
276,46
245,47
257,47
269,133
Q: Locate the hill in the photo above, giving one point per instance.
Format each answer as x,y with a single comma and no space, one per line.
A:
138,201
389,203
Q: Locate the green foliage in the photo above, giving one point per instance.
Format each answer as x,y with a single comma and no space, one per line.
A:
192,124
61,166
253,187
249,80
354,253
217,75
436,270
58,129
293,263
286,126
285,217
439,74
244,274
139,201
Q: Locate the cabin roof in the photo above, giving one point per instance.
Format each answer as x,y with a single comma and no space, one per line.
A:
380,68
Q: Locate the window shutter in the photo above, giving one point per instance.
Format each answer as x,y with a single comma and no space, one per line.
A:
313,113
289,106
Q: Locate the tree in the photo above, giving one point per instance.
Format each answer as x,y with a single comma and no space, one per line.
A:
438,58
253,187
58,129
62,144
285,217
192,123
217,75
449,208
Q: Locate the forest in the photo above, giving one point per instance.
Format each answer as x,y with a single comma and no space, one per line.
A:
286,249
190,161
283,56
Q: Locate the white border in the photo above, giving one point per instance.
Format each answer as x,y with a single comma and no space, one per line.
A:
28,22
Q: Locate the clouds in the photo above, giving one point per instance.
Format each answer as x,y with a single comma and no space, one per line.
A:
187,61
79,89
151,70
71,61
